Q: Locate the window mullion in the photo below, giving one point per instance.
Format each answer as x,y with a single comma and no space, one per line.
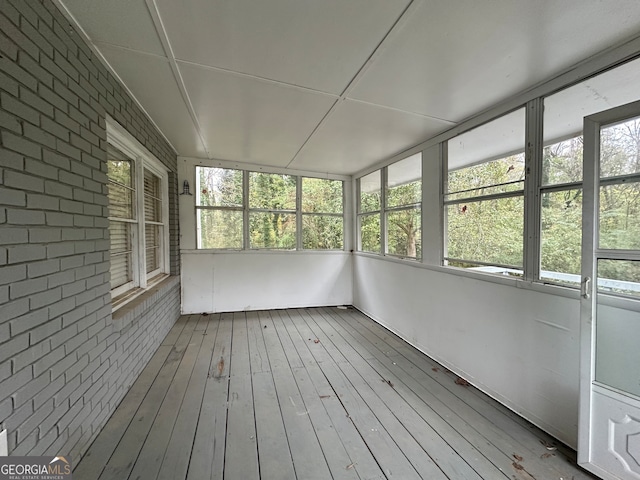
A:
532,183
444,187
245,211
140,264
383,211
298,213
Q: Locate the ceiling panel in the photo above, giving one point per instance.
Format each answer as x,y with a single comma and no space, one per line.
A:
249,120
119,22
455,59
316,44
151,80
357,135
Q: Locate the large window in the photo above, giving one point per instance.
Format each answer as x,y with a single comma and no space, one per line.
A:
484,197
138,216
403,207
389,219
560,187
237,209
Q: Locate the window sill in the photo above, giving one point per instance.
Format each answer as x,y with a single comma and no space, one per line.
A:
130,307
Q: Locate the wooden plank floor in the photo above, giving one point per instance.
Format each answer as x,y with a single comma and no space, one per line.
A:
314,393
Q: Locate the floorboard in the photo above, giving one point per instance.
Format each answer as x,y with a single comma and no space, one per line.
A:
313,393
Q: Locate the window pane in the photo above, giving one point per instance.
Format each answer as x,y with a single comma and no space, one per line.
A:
370,192
370,233
321,195
272,230
620,149
152,246
404,181
500,138
121,254
619,276
120,167
219,228
497,176
121,201
489,231
403,233
561,236
152,206
562,162
219,187
272,191
620,216
322,232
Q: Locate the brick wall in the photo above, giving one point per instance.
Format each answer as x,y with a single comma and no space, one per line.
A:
65,360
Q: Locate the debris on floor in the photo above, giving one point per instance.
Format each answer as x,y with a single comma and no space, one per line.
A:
435,369
316,341
388,382
517,457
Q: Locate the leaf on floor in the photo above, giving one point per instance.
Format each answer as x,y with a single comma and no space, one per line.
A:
220,366
325,396
350,466
435,369
462,381
316,341
547,455
517,457
517,466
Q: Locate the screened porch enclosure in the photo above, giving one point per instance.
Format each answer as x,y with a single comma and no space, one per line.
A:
312,393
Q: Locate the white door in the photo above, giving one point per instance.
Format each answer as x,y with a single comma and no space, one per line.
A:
609,429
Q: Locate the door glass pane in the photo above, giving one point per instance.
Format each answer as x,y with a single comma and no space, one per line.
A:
620,149
620,216
618,329
619,276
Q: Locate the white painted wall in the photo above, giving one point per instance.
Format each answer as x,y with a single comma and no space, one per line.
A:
518,345
224,282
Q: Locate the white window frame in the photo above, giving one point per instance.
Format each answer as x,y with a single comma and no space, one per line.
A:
246,210
143,160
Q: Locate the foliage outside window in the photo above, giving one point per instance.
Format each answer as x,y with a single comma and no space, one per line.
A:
399,205
369,209
138,221
484,198
619,206
403,207
322,214
269,204
272,211
219,208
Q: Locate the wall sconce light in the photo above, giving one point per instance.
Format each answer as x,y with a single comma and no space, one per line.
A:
185,188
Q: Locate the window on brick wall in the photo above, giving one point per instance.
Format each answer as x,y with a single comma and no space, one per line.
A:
138,216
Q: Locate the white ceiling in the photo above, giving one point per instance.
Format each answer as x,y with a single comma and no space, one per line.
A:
336,85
